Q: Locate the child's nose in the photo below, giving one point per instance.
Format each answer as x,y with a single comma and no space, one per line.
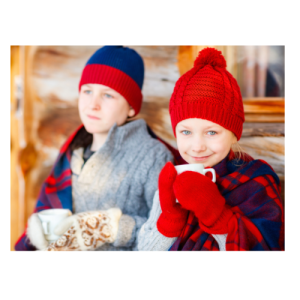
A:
199,146
95,103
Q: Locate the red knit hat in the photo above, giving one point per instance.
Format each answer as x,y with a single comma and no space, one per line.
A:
208,91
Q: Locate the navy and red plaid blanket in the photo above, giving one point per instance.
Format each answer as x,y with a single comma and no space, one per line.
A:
56,191
253,192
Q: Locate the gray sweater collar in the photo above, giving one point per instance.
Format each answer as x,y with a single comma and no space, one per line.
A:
118,138
118,134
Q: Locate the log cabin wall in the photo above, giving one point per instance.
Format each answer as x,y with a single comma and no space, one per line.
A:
46,112
17,209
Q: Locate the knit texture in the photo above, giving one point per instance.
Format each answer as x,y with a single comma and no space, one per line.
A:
208,91
110,178
123,173
173,217
119,68
252,190
150,239
197,193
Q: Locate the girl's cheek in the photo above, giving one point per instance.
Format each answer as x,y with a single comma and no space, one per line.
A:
215,147
184,146
221,149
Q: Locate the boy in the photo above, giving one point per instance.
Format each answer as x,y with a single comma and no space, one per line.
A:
109,167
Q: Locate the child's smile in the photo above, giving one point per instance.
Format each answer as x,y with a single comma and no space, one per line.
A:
200,158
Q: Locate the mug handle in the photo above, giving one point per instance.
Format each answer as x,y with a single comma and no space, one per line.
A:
213,173
45,226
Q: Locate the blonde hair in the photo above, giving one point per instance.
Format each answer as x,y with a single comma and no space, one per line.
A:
239,154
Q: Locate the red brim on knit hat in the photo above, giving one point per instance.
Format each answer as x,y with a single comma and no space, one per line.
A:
116,80
121,69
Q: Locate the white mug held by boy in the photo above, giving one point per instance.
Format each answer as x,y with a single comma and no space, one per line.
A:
207,117
114,163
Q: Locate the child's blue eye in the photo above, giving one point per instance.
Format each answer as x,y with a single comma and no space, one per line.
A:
88,92
186,132
108,96
211,133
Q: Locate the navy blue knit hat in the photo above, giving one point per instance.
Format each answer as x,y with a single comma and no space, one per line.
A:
119,68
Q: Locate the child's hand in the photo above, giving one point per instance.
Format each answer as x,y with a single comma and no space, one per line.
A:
199,194
35,232
173,216
87,230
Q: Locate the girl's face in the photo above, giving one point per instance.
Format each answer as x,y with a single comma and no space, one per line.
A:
202,141
100,107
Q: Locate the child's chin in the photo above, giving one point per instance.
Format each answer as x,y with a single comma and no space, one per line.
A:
94,130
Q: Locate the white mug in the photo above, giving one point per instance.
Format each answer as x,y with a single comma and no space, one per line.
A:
50,218
195,168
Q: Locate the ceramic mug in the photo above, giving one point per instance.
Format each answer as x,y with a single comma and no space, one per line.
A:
50,218
195,168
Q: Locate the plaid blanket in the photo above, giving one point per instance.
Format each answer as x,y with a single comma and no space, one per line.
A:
253,192
56,191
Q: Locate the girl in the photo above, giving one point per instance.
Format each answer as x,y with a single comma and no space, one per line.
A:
243,209
107,171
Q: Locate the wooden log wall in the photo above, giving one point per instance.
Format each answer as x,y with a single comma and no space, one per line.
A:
16,206
51,75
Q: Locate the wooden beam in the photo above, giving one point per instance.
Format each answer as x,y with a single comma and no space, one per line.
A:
16,210
264,118
264,105
263,129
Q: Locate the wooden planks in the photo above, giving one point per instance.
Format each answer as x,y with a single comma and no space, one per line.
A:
263,129
268,110
16,209
265,118
270,149
264,105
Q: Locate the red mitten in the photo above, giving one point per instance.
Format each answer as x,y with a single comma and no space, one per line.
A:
199,194
173,216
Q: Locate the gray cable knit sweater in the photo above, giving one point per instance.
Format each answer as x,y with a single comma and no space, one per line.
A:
122,173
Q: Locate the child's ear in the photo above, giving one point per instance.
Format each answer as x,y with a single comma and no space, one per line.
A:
131,112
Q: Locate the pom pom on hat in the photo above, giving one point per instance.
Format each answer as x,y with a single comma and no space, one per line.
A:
210,56
208,91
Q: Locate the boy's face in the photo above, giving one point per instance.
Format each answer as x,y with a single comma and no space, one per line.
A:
202,141
100,107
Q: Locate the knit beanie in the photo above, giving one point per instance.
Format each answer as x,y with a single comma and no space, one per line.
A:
121,69
208,91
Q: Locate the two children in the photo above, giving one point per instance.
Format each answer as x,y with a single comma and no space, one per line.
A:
243,209
108,169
